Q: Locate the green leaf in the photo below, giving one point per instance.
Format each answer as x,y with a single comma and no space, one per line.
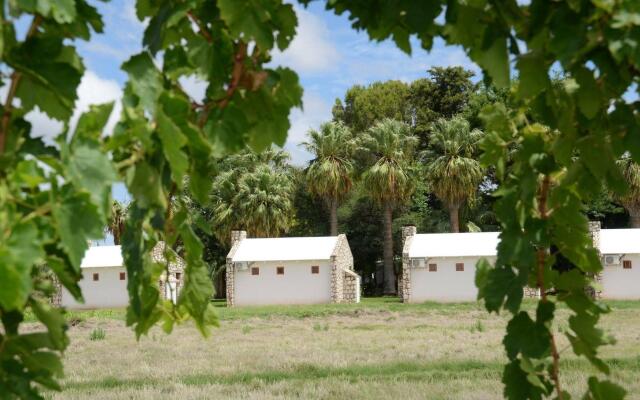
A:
172,142
54,320
604,390
525,336
533,77
92,123
495,61
143,182
90,170
589,96
18,253
145,80
49,80
77,219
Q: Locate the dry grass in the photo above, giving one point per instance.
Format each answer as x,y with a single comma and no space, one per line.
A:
374,351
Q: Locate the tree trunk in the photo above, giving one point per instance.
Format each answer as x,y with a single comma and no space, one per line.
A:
634,217
333,216
454,219
389,272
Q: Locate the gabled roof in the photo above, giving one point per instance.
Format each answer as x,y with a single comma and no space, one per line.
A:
102,256
619,241
484,244
468,244
111,256
286,249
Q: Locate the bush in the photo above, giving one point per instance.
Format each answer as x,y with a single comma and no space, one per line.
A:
97,334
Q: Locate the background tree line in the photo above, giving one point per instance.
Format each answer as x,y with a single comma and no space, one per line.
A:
394,154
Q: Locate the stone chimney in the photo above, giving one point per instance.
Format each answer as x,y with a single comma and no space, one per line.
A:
594,231
407,230
237,236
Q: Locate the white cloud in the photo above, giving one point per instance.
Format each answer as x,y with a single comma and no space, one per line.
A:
92,90
311,51
316,111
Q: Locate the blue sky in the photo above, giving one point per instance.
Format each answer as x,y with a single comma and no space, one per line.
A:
327,53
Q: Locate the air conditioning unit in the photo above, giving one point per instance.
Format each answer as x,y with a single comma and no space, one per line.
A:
242,266
417,262
612,259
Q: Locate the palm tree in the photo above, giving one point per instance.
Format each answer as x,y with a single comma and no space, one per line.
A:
264,202
254,192
453,172
117,220
631,199
391,146
329,175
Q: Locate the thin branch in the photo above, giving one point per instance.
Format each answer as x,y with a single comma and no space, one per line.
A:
202,28
544,214
236,75
13,87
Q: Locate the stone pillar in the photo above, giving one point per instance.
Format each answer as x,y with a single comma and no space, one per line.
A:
594,231
408,230
236,238
404,286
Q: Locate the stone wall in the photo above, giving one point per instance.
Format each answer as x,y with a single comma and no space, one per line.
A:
404,284
343,289
351,287
236,238
175,265
594,231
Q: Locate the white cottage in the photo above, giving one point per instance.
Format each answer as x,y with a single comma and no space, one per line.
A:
620,250
442,266
296,270
104,279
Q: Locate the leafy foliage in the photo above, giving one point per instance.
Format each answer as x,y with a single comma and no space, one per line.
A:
330,173
631,199
56,198
546,170
452,170
390,147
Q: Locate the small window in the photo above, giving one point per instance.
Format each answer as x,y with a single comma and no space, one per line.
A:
255,271
315,269
178,276
459,266
123,276
433,267
96,276
626,264
280,270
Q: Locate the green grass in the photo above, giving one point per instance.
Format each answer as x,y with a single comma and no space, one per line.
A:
375,350
369,305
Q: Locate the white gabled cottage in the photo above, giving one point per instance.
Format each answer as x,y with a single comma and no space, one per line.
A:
620,250
442,266
296,270
104,279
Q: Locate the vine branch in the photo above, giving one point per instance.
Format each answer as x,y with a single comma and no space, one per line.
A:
13,87
541,256
236,75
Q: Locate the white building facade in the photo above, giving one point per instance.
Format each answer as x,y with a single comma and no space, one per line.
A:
441,266
302,270
104,279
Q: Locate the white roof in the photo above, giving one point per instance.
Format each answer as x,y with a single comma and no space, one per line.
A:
286,249
619,241
102,256
468,244
484,244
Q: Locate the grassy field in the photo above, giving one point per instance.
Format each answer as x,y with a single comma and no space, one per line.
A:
379,349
